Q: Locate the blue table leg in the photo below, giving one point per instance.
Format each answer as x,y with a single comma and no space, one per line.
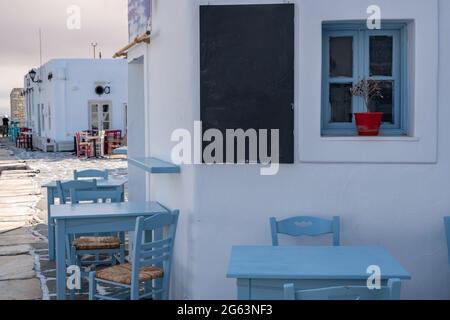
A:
60,259
51,225
243,292
122,188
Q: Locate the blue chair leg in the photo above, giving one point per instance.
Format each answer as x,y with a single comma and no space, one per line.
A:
122,254
122,248
73,262
92,285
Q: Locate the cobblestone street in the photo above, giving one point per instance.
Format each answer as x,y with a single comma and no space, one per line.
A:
25,272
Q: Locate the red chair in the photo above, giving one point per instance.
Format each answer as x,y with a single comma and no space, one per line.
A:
24,139
83,148
113,140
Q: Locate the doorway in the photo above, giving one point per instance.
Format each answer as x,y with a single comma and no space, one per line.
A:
100,116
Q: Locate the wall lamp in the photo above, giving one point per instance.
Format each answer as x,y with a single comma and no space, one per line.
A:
32,75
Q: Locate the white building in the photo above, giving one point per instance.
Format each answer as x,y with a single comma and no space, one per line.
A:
63,99
391,190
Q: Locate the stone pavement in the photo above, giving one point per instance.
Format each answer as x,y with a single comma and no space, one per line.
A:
18,198
25,272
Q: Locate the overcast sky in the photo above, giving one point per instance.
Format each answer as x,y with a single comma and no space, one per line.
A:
102,21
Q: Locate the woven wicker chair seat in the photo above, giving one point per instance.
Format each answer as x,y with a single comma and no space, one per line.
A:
122,274
96,243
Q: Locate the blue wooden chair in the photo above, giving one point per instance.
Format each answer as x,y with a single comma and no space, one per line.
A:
305,226
447,231
389,292
90,174
79,245
99,244
151,263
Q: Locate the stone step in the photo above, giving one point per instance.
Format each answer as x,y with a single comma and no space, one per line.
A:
26,290
18,211
16,176
11,161
15,181
6,194
19,172
17,267
10,219
18,183
8,239
19,199
6,227
15,250
13,166
13,205
9,188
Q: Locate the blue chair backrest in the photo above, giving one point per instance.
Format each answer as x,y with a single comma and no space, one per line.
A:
91,174
305,226
77,196
157,252
447,231
66,189
389,292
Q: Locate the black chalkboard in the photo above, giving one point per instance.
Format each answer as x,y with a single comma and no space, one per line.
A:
247,70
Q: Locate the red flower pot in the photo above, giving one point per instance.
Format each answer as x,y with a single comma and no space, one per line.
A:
368,123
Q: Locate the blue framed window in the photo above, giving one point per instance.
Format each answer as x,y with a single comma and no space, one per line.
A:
352,52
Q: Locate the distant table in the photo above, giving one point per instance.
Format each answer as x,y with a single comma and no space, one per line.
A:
94,218
52,194
261,272
121,151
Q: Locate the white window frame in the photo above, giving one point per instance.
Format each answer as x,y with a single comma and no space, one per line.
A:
420,144
101,103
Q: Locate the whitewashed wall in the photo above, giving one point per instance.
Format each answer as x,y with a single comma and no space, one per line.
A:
71,89
389,192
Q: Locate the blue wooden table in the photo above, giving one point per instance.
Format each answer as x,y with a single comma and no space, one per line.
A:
261,272
52,194
93,218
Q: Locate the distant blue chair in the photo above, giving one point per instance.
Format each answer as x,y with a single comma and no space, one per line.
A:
151,261
389,292
90,174
305,226
447,231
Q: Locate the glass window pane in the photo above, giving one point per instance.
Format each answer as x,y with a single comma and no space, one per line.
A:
105,108
341,102
106,126
381,55
95,108
385,103
341,57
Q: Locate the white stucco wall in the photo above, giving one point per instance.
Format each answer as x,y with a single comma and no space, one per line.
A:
71,90
392,193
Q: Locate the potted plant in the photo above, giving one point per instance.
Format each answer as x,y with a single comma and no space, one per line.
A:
368,123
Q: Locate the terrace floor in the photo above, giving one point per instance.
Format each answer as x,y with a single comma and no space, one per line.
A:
25,272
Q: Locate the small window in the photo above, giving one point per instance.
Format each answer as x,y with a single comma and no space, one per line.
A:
352,52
